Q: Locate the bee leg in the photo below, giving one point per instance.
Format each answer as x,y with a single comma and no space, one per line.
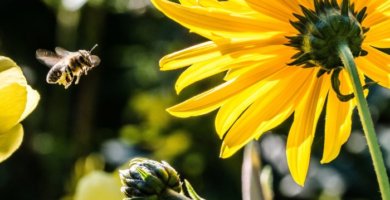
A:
77,80
85,69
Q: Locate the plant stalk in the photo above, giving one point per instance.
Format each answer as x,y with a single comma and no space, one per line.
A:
170,194
366,120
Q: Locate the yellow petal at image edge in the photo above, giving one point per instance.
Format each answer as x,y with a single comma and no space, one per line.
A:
12,75
218,20
376,65
12,105
10,141
6,63
32,102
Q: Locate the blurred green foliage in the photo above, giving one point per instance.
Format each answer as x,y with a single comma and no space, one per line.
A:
118,111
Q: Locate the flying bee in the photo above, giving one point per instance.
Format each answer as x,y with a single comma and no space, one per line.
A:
66,65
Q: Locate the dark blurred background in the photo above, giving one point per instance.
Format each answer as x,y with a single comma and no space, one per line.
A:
118,111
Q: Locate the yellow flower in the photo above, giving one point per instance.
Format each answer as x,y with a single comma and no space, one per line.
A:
280,58
17,100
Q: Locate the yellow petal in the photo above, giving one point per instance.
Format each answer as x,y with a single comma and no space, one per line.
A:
32,102
212,99
277,9
373,19
211,50
243,68
11,75
189,2
384,6
216,20
338,120
375,65
381,43
306,3
10,141
283,94
6,63
233,108
302,132
376,14
188,56
235,5
378,32
12,104
372,5
214,66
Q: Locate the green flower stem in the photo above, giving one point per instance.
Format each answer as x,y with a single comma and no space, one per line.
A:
366,120
169,194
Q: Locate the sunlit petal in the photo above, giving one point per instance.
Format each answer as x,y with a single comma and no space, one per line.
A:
376,65
302,131
277,9
200,71
12,104
235,5
376,13
32,102
378,33
212,99
260,116
217,20
338,120
10,141
6,63
211,50
11,75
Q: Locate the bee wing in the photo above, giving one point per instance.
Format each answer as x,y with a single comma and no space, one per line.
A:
61,51
47,57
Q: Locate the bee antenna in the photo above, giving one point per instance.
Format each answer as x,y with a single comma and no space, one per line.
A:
93,48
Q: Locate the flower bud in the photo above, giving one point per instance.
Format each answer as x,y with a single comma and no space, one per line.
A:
147,179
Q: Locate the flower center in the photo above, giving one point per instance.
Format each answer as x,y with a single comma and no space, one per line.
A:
322,29
320,32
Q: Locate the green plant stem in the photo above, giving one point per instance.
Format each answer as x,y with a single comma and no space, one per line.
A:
366,120
170,194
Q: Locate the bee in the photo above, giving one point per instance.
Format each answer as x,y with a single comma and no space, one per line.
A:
66,65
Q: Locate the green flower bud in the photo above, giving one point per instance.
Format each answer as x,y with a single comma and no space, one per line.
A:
148,179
